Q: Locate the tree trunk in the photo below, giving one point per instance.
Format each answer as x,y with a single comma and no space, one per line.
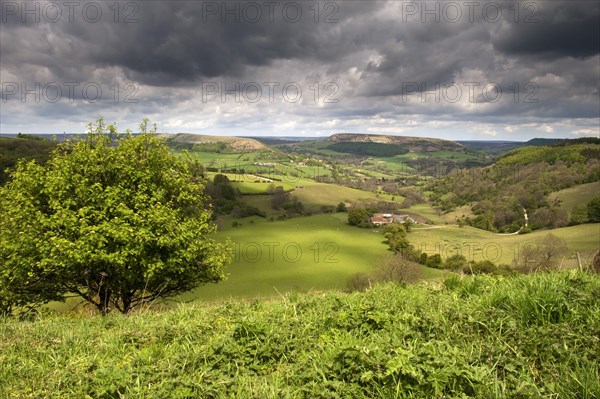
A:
126,299
103,305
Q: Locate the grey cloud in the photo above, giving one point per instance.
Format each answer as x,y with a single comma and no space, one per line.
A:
371,52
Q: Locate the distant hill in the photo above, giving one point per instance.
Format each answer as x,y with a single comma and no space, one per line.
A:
524,178
213,143
491,147
569,152
24,148
502,147
414,144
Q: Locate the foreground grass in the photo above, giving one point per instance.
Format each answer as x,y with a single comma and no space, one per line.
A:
534,336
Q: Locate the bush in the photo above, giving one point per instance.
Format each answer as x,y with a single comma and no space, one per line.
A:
482,267
456,262
593,210
525,230
396,269
359,282
341,207
434,261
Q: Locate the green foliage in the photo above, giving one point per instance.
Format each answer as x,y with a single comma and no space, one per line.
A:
279,197
395,234
579,215
368,149
525,230
481,267
293,207
569,154
521,179
434,261
117,222
216,147
358,217
24,148
341,207
481,337
593,210
456,262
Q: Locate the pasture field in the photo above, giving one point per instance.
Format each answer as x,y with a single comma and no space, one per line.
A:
427,211
311,253
527,336
319,194
578,195
259,187
476,244
313,195
395,164
224,158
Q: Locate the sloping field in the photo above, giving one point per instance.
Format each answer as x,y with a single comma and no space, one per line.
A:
237,143
301,254
415,144
476,244
578,195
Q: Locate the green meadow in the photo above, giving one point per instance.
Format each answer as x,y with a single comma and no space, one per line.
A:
312,253
578,195
476,244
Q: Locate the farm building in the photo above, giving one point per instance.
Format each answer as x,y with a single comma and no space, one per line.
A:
380,219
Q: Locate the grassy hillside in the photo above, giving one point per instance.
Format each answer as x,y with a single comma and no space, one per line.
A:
521,179
522,337
569,154
578,195
230,143
319,194
311,253
480,245
27,148
416,144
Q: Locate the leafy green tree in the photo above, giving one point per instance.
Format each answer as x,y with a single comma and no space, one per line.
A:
593,208
579,214
357,216
279,197
395,233
116,221
294,206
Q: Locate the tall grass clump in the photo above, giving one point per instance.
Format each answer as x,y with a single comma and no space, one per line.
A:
527,336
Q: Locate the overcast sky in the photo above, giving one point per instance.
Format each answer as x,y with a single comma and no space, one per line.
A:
479,70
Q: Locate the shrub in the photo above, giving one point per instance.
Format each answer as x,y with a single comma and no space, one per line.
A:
456,262
359,282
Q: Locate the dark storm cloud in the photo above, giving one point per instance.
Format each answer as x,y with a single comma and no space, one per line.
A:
172,42
377,52
555,29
